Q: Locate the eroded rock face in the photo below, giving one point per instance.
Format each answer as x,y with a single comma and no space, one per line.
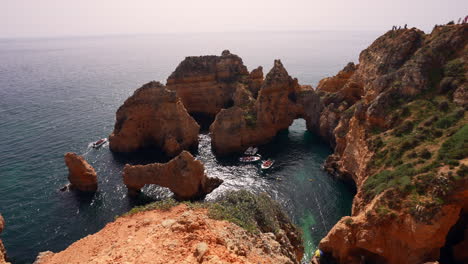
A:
81,175
396,69
2,248
154,117
183,175
178,235
206,84
280,100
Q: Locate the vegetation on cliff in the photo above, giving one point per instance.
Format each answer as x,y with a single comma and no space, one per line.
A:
401,133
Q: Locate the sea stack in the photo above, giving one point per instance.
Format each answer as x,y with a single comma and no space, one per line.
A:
206,84
183,175
154,117
81,175
253,121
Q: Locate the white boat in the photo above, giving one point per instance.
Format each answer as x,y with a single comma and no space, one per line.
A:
251,151
248,159
99,143
267,164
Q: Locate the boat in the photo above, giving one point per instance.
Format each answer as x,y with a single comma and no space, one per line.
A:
267,164
248,159
99,143
251,151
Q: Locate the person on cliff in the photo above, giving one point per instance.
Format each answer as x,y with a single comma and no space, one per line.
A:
406,26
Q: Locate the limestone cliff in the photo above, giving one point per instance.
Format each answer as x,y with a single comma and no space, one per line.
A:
81,175
183,175
400,134
154,117
253,121
206,84
165,232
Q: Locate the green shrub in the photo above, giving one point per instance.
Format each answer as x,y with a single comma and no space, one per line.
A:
348,221
425,154
399,178
462,171
449,120
454,68
444,106
404,128
251,119
163,205
455,147
249,211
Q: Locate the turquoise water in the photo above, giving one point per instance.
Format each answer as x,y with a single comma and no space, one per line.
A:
59,95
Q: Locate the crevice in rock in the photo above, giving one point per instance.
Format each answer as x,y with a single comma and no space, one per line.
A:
454,250
204,120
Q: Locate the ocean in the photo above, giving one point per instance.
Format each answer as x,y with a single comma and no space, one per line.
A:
58,95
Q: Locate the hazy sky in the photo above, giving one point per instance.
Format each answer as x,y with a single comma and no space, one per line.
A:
40,18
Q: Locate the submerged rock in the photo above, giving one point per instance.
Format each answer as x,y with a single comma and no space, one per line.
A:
154,117
183,175
81,175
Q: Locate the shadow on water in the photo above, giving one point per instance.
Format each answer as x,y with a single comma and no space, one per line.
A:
141,157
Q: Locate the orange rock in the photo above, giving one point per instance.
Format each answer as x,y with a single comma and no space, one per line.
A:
395,240
183,175
2,248
206,84
280,100
154,117
335,83
178,235
392,69
80,174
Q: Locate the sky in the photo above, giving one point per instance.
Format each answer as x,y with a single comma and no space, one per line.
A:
53,18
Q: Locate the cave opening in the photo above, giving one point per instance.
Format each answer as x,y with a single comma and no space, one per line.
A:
456,243
204,120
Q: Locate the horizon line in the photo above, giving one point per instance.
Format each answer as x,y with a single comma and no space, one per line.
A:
179,33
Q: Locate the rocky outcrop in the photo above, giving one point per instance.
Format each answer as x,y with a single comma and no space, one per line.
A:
381,116
183,175
177,235
206,84
280,100
2,247
154,117
81,175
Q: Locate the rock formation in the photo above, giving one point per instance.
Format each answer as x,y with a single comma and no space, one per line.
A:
256,121
183,175
178,235
154,117
206,84
389,119
2,248
81,175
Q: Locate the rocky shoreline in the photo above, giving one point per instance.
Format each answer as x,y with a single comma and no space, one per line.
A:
396,121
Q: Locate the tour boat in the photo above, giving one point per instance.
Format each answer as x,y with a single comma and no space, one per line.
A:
251,151
249,159
267,164
99,143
